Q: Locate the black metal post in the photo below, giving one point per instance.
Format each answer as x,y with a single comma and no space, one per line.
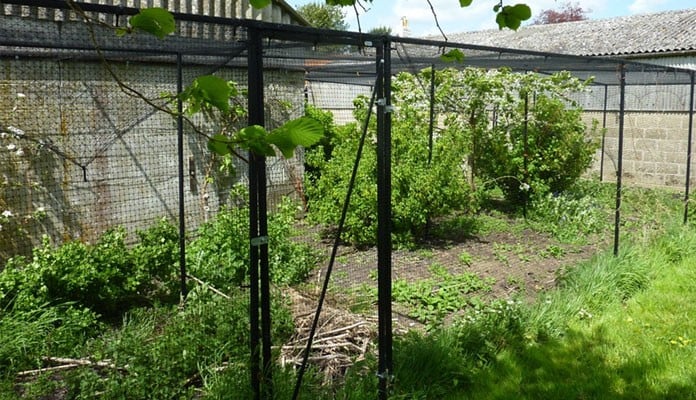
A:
431,125
256,117
384,242
619,168
604,127
337,241
688,151
180,155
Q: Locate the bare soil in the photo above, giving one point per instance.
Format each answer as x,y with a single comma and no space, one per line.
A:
520,261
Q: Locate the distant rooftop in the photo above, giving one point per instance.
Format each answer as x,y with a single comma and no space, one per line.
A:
658,34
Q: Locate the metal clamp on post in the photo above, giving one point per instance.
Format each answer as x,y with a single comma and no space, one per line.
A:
383,103
259,241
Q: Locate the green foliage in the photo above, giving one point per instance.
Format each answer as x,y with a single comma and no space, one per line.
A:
570,216
102,277
453,55
421,189
29,335
208,92
512,16
431,300
259,3
156,256
298,132
220,252
557,148
429,366
324,16
165,352
156,21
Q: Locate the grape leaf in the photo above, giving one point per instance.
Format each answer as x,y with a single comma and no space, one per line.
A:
156,21
254,138
219,144
212,90
302,131
520,11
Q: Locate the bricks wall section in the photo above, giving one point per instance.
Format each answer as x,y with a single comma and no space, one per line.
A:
654,152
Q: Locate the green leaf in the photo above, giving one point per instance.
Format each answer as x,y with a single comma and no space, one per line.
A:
452,56
259,3
506,19
213,90
513,23
302,131
496,8
156,21
219,144
501,19
521,11
254,138
465,3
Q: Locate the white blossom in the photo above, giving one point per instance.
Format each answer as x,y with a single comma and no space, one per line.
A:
21,95
11,147
15,131
41,209
3,135
19,152
7,213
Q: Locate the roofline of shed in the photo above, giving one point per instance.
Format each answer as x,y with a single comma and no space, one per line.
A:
287,7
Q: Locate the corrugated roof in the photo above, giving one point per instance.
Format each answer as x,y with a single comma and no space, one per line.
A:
644,34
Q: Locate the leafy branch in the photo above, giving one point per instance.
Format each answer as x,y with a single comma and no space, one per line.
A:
208,94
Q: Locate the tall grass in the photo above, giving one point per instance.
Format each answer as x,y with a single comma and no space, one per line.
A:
616,328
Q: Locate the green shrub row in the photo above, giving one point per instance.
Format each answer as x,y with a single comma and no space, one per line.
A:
517,132
109,277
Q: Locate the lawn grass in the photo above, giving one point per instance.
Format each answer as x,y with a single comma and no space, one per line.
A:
635,343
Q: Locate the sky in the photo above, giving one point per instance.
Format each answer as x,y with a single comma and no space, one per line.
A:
479,16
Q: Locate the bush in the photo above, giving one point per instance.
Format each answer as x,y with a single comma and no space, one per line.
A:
557,149
156,258
220,253
101,277
422,188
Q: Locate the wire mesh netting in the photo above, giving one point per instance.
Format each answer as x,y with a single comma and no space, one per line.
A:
91,138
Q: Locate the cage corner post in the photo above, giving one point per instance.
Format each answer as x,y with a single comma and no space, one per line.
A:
259,276
384,242
689,147
619,169
180,161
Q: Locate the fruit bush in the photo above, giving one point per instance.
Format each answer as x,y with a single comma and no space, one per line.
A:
421,188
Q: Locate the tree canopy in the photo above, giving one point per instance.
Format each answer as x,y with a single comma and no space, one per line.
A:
568,12
324,16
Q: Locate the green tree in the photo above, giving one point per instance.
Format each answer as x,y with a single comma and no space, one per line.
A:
324,16
568,12
380,30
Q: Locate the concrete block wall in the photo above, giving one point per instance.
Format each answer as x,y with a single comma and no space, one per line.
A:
654,151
